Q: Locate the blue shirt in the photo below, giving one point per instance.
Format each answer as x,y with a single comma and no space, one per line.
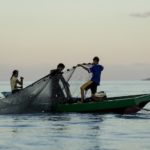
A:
96,73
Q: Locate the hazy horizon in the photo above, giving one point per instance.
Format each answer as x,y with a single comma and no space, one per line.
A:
36,35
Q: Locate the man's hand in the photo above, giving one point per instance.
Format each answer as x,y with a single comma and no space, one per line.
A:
21,78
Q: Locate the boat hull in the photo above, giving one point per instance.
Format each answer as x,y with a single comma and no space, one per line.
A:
126,104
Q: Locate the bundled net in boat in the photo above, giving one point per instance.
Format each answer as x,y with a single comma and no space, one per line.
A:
48,91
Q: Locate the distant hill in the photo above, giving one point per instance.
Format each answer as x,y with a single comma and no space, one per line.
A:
146,79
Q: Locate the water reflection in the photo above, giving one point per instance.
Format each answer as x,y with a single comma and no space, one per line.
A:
72,131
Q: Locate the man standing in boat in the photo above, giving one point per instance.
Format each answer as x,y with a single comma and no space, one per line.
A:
14,82
92,84
58,88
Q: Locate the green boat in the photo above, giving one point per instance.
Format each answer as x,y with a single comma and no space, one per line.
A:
123,105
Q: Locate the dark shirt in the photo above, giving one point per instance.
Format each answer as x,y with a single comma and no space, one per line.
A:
96,73
55,72
59,84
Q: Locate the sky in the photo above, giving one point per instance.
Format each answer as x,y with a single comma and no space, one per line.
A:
36,35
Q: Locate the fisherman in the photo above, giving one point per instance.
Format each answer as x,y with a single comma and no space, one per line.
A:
14,82
59,85
92,84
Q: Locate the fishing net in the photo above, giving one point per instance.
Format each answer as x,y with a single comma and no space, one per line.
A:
48,91
76,77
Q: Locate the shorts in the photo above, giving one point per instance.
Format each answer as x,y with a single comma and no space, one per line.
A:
90,85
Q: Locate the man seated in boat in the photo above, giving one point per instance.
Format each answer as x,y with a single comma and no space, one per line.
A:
60,88
15,83
92,84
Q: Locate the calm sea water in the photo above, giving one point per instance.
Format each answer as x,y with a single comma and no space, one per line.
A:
75,131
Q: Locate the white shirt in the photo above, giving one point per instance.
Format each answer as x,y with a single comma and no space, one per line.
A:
13,83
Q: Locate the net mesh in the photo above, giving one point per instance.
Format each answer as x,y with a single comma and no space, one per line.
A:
45,93
77,77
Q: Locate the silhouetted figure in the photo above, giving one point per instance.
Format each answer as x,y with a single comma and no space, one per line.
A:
60,88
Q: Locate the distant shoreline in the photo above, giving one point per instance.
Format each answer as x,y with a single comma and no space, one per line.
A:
147,79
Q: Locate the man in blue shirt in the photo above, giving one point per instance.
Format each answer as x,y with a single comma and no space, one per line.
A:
96,70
